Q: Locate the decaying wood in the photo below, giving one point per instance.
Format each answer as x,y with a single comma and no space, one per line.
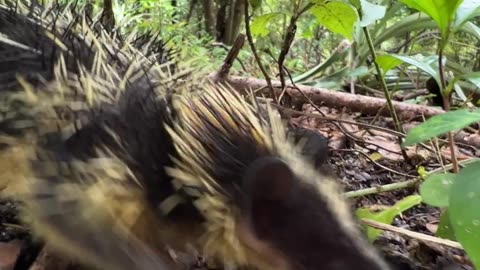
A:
335,99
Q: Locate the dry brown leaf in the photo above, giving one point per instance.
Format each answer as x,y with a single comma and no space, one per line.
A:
380,143
432,227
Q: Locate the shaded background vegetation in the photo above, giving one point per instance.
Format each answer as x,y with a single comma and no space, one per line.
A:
200,31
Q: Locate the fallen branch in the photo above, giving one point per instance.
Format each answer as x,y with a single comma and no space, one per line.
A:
334,99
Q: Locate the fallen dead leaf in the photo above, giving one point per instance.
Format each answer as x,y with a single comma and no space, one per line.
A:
432,227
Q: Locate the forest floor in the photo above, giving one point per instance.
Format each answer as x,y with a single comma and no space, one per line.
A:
362,157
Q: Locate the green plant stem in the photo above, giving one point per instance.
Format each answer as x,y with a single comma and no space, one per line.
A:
257,57
287,43
446,105
380,189
400,185
396,122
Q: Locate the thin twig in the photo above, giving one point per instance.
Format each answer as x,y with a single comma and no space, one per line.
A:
255,53
338,125
388,98
446,106
400,185
381,189
411,234
330,119
287,43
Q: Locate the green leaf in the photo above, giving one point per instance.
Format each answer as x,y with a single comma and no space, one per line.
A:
387,62
358,72
259,24
422,172
473,77
386,216
441,11
471,28
339,54
435,189
467,10
371,13
428,64
445,228
337,17
464,210
440,124
355,3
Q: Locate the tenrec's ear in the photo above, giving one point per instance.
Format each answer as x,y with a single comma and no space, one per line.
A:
268,179
314,145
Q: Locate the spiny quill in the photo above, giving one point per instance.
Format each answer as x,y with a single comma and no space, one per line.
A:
120,159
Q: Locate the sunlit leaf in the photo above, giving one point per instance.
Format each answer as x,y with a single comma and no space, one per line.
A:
371,13
386,216
441,11
337,17
387,62
259,25
467,10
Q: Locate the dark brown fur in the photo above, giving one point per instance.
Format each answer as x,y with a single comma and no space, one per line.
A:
284,220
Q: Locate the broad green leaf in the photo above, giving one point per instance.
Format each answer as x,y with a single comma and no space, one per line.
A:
460,93
387,62
358,72
386,216
441,11
471,28
428,64
259,24
467,10
464,210
473,77
337,17
435,189
371,13
440,124
445,228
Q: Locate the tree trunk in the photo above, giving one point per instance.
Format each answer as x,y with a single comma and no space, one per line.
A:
221,20
229,21
209,14
237,21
